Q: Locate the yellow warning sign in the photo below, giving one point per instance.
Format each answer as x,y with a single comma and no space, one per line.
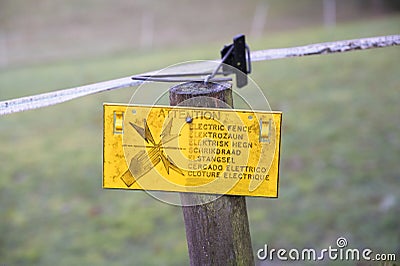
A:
185,149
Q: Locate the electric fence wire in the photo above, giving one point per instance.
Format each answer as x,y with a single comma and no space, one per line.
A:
60,96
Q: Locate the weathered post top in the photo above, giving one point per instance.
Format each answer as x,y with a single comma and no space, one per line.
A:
217,232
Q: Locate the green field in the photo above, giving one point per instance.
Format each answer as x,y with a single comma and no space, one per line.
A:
340,171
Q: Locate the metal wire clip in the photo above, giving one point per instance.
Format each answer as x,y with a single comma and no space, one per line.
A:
235,60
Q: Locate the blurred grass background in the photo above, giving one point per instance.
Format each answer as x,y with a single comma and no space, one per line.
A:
340,173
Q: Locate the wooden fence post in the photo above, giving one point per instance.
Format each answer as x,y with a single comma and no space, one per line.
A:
217,232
